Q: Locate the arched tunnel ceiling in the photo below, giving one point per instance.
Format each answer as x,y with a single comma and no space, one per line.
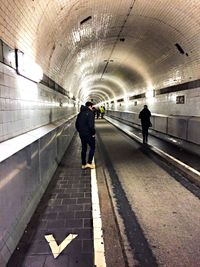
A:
107,48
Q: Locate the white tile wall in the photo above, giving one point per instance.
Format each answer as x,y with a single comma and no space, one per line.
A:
166,104
25,105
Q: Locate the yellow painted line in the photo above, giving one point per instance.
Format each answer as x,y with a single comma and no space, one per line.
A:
99,250
57,249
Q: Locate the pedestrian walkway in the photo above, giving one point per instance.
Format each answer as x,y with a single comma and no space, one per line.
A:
60,232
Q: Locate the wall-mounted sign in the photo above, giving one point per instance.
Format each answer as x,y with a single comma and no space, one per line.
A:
8,56
29,69
180,99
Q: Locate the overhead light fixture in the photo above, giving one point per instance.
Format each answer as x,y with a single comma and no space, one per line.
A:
108,60
85,20
180,49
106,65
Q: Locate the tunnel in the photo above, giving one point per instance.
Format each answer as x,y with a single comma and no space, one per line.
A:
121,55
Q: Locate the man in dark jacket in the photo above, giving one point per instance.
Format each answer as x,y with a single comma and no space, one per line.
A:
145,115
85,127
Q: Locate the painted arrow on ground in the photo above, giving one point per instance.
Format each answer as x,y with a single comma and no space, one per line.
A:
57,249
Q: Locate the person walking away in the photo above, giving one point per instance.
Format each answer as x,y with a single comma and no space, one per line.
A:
86,128
102,110
144,116
94,111
98,112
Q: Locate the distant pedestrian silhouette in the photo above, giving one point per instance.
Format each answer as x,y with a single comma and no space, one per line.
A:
145,115
98,112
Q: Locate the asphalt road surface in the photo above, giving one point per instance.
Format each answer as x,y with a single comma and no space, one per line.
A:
160,216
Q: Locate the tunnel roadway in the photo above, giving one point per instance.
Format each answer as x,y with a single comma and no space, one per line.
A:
158,216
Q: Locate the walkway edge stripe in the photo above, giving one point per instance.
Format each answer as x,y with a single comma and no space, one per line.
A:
99,250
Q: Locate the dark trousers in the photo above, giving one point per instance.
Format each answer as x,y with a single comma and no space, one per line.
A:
145,133
85,141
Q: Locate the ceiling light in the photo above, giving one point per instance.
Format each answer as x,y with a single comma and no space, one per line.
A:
85,20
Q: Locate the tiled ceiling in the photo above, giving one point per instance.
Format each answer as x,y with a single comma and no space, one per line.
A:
104,49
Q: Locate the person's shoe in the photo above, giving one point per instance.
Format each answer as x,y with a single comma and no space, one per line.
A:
91,166
84,167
